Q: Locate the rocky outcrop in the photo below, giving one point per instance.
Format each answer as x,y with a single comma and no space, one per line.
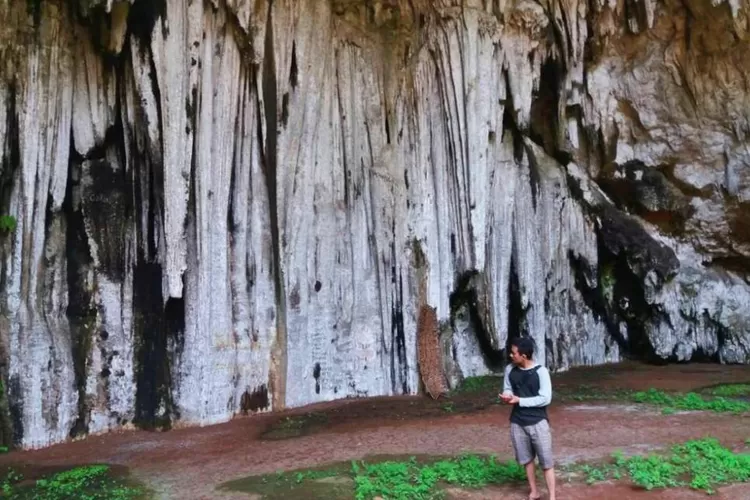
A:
229,206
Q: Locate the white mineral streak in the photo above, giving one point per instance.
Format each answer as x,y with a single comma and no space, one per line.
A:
142,134
208,362
40,362
93,96
336,199
401,164
176,45
562,230
112,398
254,317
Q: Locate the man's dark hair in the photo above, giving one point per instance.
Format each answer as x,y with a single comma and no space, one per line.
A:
525,346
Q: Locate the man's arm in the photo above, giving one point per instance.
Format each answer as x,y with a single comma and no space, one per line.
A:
507,388
545,391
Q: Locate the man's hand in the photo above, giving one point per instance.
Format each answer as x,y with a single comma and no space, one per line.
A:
508,398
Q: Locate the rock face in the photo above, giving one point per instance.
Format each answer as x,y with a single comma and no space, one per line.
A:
229,206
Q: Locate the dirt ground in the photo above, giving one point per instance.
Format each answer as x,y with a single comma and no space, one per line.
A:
190,463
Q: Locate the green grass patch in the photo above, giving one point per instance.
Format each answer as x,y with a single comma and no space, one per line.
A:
395,479
689,402
486,383
585,392
731,390
91,482
702,464
718,399
412,480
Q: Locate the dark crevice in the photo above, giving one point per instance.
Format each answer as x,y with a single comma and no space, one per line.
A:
649,193
316,376
517,313
737,263
615,289
81,310
465,296
387,127
142,18
616,294
285,109
510,126
721,335
15,409
105,205
635,10
255,401
231,223
293,70
346,173
544,124
153,399
398,336
10,157
269,160
270,151
155,326
587,283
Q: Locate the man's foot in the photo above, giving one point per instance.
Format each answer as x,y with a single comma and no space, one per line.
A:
535,496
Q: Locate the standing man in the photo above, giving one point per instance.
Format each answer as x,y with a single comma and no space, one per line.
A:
528,388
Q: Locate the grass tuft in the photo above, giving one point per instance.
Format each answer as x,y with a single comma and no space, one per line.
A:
702,464
731,390
411,480
392,478
690,402
91,482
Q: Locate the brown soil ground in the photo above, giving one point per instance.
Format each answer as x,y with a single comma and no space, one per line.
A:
190,463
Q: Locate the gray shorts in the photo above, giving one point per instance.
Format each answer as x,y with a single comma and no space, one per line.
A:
533,441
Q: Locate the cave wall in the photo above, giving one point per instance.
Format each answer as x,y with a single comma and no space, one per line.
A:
231,206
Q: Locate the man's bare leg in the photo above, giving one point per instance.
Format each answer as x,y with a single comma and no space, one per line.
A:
531,476
549,478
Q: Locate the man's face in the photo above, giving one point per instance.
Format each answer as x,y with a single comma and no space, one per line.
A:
515,358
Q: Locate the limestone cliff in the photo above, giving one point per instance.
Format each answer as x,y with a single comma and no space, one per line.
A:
229,206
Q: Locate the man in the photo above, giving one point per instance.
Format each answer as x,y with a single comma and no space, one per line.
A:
528,388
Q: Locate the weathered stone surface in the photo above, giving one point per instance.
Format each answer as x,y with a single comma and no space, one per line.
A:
227,206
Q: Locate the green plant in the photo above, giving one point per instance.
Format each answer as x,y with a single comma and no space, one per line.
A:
477,384
702,464
585,392
731,390
92,482
8,224
394,478
412,480
607,282
690,401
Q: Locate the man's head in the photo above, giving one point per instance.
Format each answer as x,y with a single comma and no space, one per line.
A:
521,350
